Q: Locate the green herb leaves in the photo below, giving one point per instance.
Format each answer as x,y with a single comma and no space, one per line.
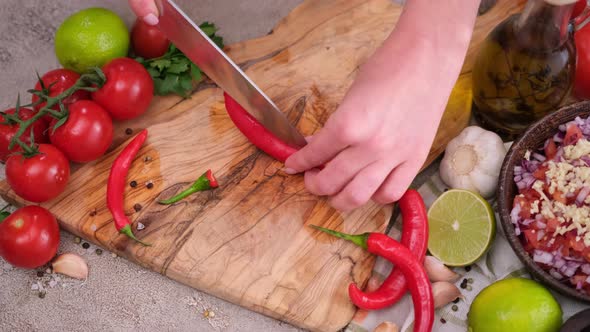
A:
174,72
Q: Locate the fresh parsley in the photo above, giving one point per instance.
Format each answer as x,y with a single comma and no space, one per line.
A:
174,72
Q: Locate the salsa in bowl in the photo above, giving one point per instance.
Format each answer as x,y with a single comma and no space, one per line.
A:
544,200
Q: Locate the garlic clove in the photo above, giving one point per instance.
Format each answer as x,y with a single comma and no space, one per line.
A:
437,271
386,327
71,265
444,293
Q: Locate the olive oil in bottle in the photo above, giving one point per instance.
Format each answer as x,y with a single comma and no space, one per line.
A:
525,68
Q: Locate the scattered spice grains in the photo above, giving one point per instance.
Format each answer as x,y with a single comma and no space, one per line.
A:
455,307
140,226
93,213
113,255
150,185
468,268
469,288
128,131
40,274
133,184
147,159
442,320
137,207
457,300
85,245
77,240
470,280
98,251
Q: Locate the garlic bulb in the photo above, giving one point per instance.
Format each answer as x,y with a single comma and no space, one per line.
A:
473,161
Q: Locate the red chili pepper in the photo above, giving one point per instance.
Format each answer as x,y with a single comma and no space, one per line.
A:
415,238
116,185
204,182
403,258
256,133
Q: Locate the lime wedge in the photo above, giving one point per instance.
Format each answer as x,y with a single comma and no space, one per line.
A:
462,226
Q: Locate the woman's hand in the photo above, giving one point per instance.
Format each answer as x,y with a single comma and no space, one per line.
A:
378,139
146,10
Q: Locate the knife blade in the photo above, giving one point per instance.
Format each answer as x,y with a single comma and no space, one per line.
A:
194,43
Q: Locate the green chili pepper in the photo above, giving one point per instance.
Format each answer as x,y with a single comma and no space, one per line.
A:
204,182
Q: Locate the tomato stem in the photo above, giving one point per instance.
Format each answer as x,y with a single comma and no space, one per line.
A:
92,80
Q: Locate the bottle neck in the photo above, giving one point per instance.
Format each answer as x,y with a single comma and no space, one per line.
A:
545,24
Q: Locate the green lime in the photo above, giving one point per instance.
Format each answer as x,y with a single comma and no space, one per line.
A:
515,305
91,38
461,227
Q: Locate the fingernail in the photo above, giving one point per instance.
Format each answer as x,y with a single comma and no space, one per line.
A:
151,19
289,171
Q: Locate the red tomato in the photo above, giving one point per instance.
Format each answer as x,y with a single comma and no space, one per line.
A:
582,75
525,206
531,237
572,135
62,79
7,132
148,41
29,237
87,133
128,91
551,150
39,178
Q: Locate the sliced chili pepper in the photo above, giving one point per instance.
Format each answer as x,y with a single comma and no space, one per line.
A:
417,279
116,185
204,182
256,132
415,238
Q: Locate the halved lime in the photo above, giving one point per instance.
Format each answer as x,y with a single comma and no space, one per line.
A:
462,226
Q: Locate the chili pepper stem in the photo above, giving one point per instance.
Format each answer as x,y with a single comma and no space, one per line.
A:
127,231
204,182
360,239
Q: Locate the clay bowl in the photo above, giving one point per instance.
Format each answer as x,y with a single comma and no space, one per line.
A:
534,137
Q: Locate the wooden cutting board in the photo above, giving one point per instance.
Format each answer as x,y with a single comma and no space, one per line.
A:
248,242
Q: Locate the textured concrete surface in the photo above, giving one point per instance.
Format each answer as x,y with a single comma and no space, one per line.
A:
118,296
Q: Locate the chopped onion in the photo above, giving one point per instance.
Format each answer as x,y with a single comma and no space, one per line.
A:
570,269
559,262
527,222
517,178
562,127
539,157
586,268
515,213
579,285
518,170
588,280
543,257
541,225
582,195
557,138
540,235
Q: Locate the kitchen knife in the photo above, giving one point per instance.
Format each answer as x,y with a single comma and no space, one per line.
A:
194,43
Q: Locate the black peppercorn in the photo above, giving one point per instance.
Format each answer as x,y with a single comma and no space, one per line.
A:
150,185
98,251
133,184
137,207
85,245
128,131
40,274
468,268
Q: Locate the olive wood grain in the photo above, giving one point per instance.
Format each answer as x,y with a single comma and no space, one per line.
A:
248,241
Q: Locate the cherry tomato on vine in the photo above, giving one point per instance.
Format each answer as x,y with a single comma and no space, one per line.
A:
87,133
41,177
58,81
29,237
8,129
128,91
148,41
